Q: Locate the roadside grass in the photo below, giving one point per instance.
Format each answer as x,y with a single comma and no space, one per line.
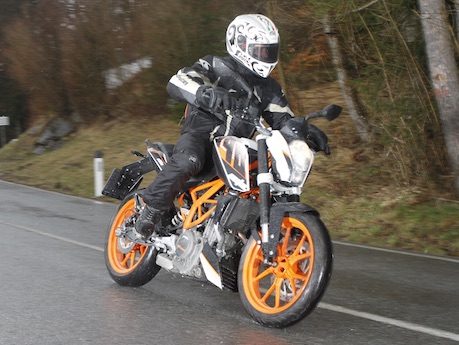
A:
432,227
70,169
353,195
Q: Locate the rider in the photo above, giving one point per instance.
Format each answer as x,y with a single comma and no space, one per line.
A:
252,42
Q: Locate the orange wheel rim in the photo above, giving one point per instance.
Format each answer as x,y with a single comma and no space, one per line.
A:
123,263
274,289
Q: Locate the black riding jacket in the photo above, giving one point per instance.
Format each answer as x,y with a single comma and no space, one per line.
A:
273,105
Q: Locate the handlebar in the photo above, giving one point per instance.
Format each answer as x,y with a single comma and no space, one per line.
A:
330,112
245,115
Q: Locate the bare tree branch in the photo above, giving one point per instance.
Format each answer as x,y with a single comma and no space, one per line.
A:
364,6
357,118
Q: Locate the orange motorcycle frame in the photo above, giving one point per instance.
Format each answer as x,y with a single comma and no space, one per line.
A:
204,202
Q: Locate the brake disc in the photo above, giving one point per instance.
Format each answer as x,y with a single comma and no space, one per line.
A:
125,245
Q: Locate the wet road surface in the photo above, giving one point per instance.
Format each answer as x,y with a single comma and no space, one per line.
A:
54,289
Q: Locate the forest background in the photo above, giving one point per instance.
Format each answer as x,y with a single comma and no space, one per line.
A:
389,180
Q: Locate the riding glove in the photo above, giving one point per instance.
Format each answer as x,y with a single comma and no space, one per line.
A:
317,140
215,98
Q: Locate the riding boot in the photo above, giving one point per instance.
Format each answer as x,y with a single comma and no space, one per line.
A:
148,221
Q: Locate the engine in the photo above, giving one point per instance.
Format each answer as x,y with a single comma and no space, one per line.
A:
183,254
188,247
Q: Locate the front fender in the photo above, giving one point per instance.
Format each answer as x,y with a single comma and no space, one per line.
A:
276,215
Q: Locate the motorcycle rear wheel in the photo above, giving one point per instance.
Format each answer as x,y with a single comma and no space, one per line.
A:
134,266
282,294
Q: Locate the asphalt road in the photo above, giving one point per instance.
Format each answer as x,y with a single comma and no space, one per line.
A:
54,289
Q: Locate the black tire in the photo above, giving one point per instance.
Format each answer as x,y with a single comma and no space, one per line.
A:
134,267
304,261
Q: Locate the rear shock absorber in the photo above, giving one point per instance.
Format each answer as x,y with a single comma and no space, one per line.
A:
177,220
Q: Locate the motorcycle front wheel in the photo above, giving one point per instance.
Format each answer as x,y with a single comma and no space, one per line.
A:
128,263
281,294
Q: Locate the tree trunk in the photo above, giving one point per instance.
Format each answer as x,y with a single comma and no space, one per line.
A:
456,17
348,95
444,76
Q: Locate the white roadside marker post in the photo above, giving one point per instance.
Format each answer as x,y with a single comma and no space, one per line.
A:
98,173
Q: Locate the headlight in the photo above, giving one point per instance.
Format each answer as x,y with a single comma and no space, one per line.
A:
302,159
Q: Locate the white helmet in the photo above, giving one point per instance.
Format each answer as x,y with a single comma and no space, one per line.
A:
253,41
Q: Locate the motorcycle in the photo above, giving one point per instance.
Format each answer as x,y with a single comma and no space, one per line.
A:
239,224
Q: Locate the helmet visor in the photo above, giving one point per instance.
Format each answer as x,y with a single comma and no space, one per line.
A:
264,52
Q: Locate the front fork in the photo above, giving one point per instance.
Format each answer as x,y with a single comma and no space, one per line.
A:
272,215
264,180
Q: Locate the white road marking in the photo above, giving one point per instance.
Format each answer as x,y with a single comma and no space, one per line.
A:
60,238
401,252
393,322
335,308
